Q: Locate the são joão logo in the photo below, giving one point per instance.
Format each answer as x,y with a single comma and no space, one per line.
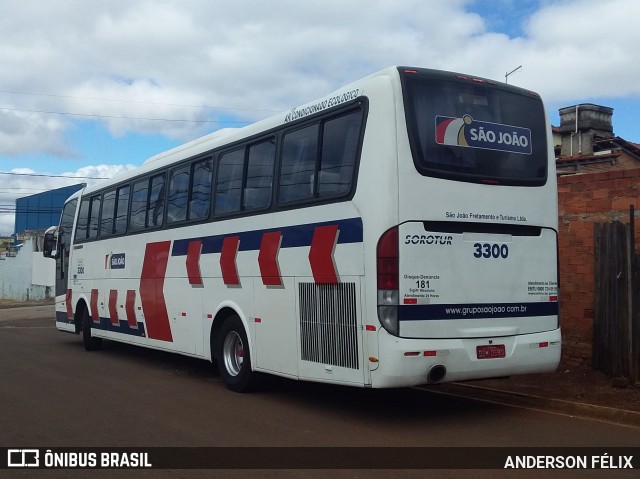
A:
470,133
115,261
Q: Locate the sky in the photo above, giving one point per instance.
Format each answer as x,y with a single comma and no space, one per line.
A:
90,89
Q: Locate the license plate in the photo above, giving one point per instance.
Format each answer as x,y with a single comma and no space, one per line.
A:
490,351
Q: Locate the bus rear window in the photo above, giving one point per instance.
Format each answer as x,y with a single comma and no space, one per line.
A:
476,132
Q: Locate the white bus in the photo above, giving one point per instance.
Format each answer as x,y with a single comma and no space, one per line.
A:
399,231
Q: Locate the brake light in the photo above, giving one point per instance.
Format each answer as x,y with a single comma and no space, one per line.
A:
387,260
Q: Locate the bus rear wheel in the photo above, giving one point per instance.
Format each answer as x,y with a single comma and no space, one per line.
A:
90,343
234,358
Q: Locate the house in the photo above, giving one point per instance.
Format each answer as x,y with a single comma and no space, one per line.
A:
598,182
585,142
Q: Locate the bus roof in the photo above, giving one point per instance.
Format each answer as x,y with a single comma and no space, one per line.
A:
227,136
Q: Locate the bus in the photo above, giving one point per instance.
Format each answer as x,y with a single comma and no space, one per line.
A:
397,232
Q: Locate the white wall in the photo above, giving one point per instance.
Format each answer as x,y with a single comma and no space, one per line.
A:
43,272
28,275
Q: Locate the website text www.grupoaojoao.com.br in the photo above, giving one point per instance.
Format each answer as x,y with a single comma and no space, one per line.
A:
488,309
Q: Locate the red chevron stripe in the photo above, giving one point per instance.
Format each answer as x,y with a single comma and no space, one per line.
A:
321,254
268,259
193,263
154,269
113,307
67,300
228,260
130,308
95,315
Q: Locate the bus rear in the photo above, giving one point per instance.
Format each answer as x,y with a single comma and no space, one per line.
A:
468,278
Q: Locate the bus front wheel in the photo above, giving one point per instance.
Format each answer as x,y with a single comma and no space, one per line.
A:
234,358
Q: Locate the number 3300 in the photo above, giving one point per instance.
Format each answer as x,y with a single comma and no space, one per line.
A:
487,250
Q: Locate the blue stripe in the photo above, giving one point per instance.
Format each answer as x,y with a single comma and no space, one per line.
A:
106,325
350,231
423,312
122,327
61,317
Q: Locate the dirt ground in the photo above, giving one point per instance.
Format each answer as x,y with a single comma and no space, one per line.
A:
578,383
10,303
571,382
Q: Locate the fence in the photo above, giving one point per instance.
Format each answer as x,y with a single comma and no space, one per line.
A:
616,325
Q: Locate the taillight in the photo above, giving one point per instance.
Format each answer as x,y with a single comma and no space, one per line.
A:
388,280
387,260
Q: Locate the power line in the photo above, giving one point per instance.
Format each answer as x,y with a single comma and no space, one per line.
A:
6,190
116,117
57,176
53,95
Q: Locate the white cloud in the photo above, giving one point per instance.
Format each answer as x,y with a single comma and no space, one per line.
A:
23,131
585,48
274,55
157,57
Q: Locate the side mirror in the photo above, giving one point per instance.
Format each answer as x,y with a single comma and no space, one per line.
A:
49,249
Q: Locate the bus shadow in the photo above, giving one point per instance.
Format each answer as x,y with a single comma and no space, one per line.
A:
402,406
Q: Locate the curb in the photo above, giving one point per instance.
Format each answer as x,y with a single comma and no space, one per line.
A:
10,304
558,406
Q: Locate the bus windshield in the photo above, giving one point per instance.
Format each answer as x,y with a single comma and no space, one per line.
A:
476,132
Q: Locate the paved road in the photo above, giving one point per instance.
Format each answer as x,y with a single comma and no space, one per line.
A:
54,394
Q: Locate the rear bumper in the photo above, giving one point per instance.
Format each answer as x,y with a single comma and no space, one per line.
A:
407,362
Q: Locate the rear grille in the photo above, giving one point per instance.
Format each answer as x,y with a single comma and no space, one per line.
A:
328,325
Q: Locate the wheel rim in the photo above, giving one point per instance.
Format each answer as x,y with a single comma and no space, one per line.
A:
233,353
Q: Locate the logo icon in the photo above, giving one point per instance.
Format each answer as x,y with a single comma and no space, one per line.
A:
469,133
23,458
115,261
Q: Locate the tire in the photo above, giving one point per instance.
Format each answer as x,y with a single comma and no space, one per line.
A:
90,343
234,357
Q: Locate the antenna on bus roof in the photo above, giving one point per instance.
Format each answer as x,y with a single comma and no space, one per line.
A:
506,75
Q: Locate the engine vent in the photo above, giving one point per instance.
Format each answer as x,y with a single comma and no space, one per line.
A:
328,324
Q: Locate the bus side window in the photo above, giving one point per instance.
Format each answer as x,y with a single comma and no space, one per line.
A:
200,193
229,182
340,138
95,217
178,198
83,219
139,204
155,213
299,155
259,182
122,210
108,213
